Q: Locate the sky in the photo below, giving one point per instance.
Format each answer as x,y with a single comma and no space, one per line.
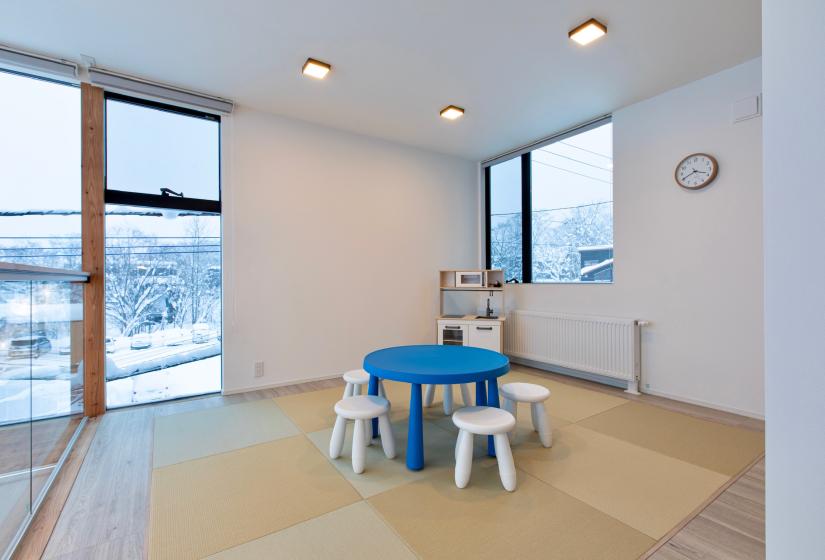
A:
574,171
146,149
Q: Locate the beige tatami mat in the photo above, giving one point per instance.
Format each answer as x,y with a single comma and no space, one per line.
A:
619,476
645,489
207,505
190,435
382,474
353,532
483,521
715,446
567,401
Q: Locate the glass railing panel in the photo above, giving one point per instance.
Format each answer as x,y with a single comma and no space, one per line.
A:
56,374
15,409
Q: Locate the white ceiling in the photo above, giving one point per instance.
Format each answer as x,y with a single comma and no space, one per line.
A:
397,63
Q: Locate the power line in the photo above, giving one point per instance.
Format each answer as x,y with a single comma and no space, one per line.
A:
586,150
574,172
556,209
576,160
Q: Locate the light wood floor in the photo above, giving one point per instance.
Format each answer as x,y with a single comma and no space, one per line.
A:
99,506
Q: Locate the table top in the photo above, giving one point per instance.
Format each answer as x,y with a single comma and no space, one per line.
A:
436,364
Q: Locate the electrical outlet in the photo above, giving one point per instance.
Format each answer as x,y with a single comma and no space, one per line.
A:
259,369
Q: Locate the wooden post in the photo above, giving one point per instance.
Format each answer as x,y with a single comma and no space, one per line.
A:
93,235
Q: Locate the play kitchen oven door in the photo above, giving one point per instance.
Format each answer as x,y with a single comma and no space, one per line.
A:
452,335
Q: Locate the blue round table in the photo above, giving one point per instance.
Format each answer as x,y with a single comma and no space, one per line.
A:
434,364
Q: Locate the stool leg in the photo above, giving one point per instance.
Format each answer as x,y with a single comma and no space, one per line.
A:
348,390
336,442
512,408
544,428
506,468
465,395
429,393
448,399
356,390
367,432
464,458
381,392
387,437
359,446
533,414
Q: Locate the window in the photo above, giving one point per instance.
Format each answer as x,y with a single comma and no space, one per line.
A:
565,186
163,252
40,172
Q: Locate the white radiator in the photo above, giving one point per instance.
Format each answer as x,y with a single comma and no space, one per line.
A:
605,346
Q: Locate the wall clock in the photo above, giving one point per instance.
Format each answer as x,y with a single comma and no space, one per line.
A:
696,171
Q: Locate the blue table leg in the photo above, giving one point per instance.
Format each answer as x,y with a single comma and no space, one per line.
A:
415,432
492,400
481,394
373,390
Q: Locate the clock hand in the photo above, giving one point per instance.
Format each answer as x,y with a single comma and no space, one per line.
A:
688,175
697,171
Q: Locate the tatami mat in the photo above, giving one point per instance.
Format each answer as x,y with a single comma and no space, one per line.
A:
235,482
567,401
645,489
715,446
207,505
190,435
382,474
483,521
354,532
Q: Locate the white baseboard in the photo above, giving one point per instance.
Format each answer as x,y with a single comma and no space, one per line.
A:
706,404
279,384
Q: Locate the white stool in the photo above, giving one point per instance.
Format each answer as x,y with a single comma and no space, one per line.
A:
484,421
357,377
429,393
362,409
514,393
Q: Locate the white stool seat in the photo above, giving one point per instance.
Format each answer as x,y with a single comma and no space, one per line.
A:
357,377
525,392
534,395
484,420
362,407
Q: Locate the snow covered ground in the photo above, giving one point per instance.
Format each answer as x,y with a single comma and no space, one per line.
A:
193,378
173,366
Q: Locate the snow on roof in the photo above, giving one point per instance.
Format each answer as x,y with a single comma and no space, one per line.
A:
595,248
596,267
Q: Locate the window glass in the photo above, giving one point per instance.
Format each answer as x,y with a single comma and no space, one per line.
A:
572,208
149,149
39,172
505,218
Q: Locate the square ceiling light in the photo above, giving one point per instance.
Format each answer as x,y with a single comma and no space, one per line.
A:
316,69
451,112
588,32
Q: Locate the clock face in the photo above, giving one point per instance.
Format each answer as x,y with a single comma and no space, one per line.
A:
696,171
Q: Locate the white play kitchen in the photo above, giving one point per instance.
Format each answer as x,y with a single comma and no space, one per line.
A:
471,308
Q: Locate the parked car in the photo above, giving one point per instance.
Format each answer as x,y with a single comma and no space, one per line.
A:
141,342
29,347
110,345
201,333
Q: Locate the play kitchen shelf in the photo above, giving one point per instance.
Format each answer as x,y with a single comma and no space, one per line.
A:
480,321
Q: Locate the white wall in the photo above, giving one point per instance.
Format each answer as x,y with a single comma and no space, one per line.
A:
689,262
332,246
794,84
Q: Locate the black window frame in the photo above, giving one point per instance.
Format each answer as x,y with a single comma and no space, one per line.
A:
129,198
526,218
527,199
